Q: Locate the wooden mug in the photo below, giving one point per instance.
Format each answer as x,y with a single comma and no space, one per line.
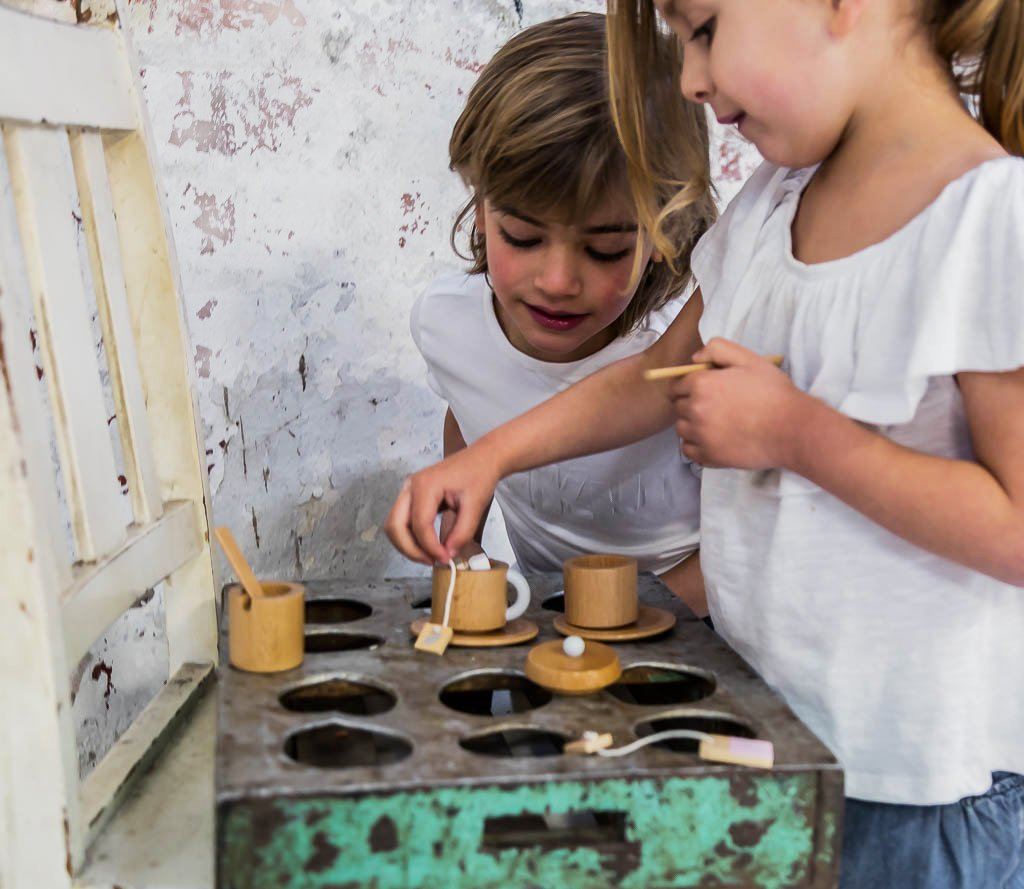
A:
479,600
600,591
265,633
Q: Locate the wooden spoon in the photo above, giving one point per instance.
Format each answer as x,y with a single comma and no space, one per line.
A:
227,543
681,370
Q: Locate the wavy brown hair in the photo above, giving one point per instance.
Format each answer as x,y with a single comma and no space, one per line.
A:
538,134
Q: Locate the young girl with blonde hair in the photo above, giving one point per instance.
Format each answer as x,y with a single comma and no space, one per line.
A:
562,284
862,513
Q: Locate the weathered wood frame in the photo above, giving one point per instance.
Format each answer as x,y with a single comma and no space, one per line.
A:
75,133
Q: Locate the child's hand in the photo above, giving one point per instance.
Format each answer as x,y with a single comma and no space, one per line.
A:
464,483
744,414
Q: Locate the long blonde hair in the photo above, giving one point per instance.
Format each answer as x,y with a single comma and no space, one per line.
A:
537,134
645,65
982,42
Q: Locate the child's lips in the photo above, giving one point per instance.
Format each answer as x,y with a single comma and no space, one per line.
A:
736,118
560,321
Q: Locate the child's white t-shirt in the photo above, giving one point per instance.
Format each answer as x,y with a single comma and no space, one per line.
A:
642,500
907,665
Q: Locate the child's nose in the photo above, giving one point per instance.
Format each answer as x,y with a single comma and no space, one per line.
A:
559,276
694,81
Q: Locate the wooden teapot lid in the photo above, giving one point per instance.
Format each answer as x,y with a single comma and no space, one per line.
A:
548,665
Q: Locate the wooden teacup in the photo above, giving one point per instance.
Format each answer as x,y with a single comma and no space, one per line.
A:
600,591
266,633
479,600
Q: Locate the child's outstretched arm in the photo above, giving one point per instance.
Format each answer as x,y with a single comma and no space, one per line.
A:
749,415
607,410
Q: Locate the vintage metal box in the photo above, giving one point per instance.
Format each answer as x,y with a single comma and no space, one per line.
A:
374,765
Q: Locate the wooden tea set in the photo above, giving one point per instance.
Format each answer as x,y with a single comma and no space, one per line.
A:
656,758
469,610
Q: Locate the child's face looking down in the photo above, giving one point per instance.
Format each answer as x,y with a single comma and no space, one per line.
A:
780,70
560,287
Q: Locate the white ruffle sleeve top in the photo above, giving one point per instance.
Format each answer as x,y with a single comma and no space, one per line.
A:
908,665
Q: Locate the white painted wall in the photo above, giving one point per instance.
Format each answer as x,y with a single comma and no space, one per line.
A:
303,146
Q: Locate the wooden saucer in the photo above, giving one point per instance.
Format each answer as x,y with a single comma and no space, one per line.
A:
552,668
650,622
513,633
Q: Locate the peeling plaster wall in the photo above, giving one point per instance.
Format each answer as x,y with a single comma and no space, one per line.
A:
303,153
303,147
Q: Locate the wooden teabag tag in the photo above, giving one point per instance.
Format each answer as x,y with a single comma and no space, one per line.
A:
742,751
591,742
436,637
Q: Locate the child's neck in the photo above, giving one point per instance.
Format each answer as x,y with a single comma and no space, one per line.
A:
909,113
909,139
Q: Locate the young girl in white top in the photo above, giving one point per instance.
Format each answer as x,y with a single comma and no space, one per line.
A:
550,297
863,509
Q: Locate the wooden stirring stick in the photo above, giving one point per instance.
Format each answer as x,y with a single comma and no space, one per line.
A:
681,370
227,543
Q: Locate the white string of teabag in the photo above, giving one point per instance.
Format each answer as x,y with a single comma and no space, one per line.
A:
448,596
672,734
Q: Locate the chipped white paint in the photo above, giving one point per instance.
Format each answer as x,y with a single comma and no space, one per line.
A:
83,80
102,591
48,812
44,191
114,682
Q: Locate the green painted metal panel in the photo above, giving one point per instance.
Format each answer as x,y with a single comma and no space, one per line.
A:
742,830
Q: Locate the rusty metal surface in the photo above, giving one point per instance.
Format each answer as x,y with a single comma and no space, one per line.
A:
254,726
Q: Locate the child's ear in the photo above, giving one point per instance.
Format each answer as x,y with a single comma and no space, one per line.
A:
657,255
846,15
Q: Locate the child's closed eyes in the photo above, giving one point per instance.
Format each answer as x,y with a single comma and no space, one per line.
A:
530,241
707,30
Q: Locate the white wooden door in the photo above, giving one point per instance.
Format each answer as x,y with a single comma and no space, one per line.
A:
75,134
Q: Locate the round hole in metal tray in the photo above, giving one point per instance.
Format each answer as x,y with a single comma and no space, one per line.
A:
515,743
660,685
493,693
335,611
712,723
339,640
554,603
340,695
337,746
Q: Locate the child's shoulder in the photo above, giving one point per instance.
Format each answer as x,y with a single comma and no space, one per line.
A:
447,306
969,236
452,288
992,193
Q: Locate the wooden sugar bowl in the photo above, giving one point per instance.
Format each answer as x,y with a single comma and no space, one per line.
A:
266,633
573,666
600,591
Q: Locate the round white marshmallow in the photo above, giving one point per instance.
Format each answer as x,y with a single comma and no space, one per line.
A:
479,562
573,646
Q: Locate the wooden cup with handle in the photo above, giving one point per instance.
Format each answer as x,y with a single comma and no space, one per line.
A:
479,600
